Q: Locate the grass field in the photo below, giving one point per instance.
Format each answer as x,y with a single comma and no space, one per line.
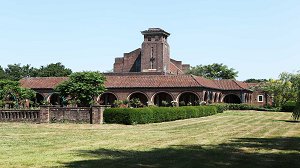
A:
230,139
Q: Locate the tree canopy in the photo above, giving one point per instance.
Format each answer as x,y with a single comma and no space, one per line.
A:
53,70
252,80
283,89
296,84
2,73
82,87
17,71
214,71
12,93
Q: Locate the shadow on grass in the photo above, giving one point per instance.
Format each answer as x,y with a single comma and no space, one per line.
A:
288,121
239,153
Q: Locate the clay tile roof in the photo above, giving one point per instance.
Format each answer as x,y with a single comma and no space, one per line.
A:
153,81
42,82
228,84
243,85
143,81
206,82
175,69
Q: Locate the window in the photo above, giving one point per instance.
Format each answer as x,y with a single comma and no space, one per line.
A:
149,38
260,98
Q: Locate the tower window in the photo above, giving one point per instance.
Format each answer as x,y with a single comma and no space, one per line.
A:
149,38
152,59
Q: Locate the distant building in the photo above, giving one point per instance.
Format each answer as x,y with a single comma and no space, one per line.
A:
149,74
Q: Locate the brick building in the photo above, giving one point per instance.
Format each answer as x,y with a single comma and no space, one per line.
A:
151,75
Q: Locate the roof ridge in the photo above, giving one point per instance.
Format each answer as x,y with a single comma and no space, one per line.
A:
235,81
176,66
193,76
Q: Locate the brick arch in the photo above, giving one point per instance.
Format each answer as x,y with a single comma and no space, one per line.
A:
109,98
39,98
54,100
232,98
143,100
169,97
185,92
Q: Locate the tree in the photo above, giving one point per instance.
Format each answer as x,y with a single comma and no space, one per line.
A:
214,71
82,87
54,70
16,71
2,73
255,80
282,89
296,83
11,92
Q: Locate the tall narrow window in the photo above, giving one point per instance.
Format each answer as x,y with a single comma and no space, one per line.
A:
152,58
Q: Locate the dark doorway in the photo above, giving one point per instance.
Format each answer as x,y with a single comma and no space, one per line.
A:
188,99
39,99
55,99
107,99
232,98
163,99
140,96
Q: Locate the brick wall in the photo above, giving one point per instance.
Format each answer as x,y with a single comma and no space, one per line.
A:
48,114
126,63
75,115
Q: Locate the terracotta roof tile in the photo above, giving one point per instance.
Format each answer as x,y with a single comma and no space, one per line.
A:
143,81
42,82
228,84
206,82
150,81
174,69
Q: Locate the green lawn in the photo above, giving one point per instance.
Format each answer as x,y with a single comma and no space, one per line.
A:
231,139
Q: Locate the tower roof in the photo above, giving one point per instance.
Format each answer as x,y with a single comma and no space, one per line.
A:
155,31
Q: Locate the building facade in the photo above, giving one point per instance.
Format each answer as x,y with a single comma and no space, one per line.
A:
152,76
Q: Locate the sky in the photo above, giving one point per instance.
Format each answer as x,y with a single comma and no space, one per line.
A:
258,38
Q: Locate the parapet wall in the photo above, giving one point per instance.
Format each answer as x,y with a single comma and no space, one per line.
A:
50,114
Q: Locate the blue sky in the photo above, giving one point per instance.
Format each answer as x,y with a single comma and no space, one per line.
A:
258,38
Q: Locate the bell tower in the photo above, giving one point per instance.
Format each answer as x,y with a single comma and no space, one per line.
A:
155,55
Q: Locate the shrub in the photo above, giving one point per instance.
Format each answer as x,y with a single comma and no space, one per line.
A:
288,106
296,112
224,107
156,114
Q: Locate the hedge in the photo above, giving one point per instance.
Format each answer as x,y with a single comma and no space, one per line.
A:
288,106
224,107
132,116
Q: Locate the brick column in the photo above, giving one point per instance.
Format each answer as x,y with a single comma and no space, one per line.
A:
44,114
97,114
